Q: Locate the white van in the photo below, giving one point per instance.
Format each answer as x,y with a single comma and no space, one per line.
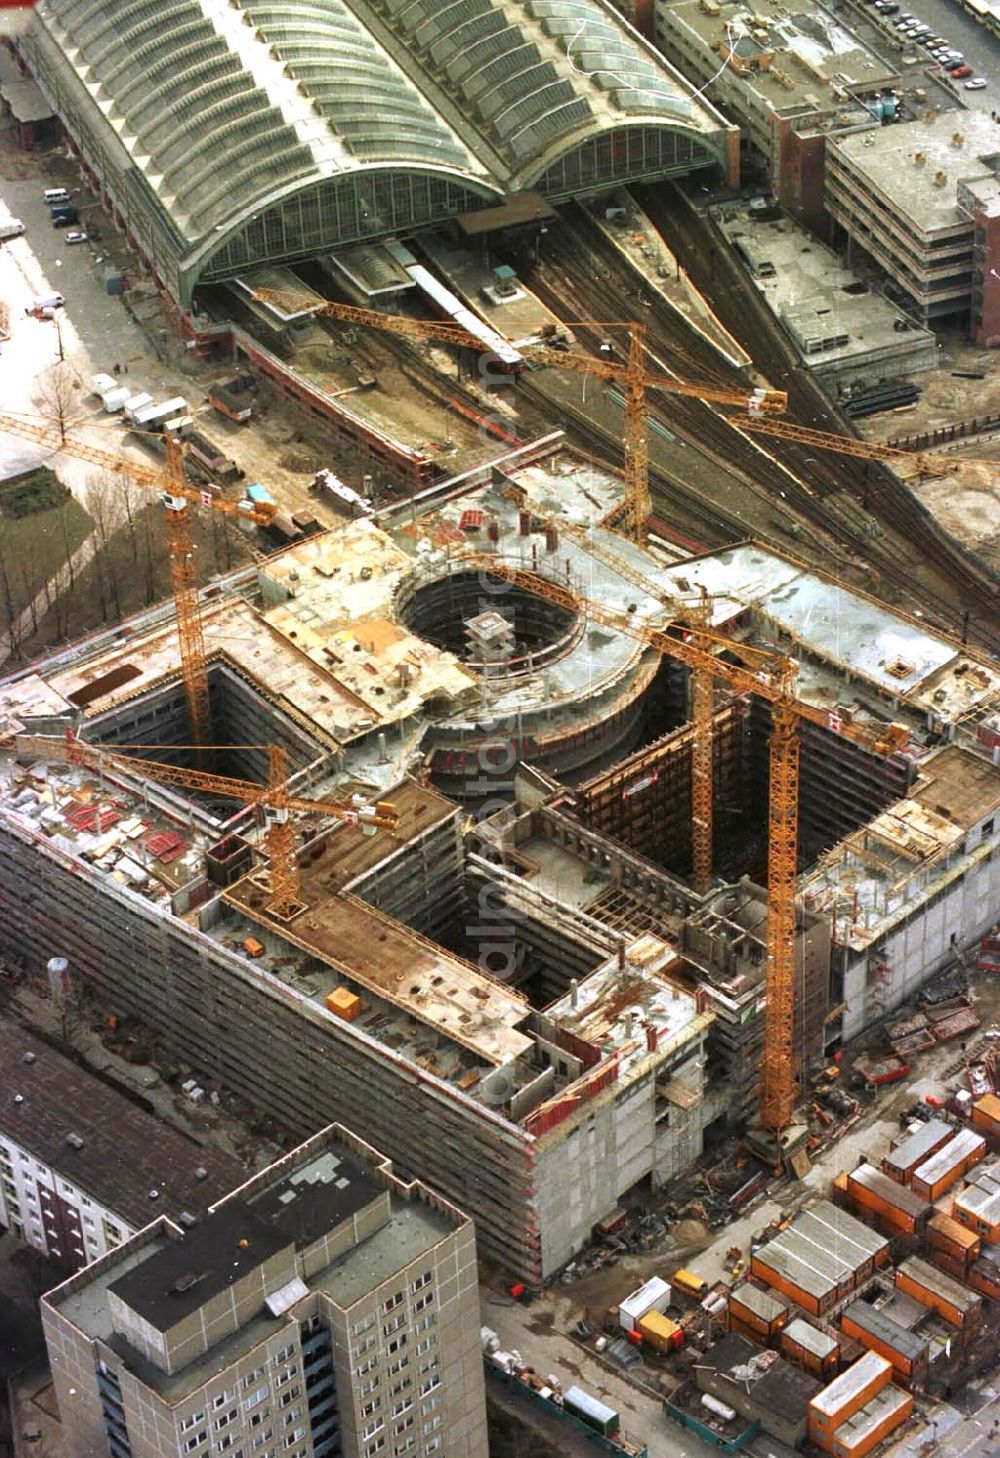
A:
43,306
56,195
13,228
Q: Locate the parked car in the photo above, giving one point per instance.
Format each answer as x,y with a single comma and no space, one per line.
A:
976,84
76,238
960,73
13,228
55,195
65,218
950,65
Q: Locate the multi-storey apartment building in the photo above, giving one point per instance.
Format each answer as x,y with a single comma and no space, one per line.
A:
82,1168
324,1307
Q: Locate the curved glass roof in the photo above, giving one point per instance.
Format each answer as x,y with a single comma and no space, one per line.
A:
222,106
225,106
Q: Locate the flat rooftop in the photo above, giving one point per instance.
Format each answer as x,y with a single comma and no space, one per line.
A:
897,655
900,1197
434,986
962,788
832,318
916,1147
873,875
820,1343
316,1196
821,1248
615,1007
839,1392
963,146
882,1327
881,1408
800,55
123,1153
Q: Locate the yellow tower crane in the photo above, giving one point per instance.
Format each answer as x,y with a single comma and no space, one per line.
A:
772,677
179,499
634,508
276,802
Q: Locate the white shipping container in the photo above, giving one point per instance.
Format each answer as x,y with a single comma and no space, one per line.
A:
653,1296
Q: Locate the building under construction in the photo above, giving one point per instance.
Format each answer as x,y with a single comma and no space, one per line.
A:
534,1011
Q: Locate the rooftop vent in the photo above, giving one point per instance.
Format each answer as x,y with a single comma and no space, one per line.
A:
940,178
919,159
28,1058
201,1173
19,1098
74,1141
186,1219
957,138
185,1281
153,1195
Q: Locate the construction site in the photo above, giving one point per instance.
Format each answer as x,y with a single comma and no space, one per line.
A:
490,858
583,784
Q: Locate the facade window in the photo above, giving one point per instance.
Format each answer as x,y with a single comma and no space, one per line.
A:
396,1345
432,1426
425,1323
370,1429
365,1366
398,1408
191,1443
392,1302
255,1397
290,1395
396,1367
394,1323
362,1325
426,1344
226,1419
423,1302
422,1280
429,1385
284,1355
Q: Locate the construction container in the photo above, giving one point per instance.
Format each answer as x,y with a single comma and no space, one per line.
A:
662,1334
846,1395
689,1286
863,1432
986,1117
978,1209
822,1257
756,1313
253,947
940,1292
816,1351
948,1236
984,1275
596,1416
343,1003
908,1353
912,1150
937,1174
654,1295
897,1210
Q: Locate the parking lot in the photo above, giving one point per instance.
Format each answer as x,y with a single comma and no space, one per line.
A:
961,31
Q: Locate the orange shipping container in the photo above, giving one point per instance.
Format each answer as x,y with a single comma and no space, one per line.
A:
939,1292
900,1210
887,1411
810,1348
946,1234
986,1115
846,1395
938,1173
756,1312
907,1352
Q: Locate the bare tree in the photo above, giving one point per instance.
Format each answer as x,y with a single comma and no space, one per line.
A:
10,613
56,395
104,502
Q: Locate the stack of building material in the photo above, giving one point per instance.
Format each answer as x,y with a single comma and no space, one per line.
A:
940,1292
808,1347
911,1150
757,1314
873,1195
978,1205
908,1353
951,1246
823,1256
937,1174
860,1408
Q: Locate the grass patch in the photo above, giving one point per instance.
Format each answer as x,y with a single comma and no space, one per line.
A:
31,493
33,549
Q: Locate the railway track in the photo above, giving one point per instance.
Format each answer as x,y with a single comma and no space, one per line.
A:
833,506
967,582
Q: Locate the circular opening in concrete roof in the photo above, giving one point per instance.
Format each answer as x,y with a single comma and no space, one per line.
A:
485,621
